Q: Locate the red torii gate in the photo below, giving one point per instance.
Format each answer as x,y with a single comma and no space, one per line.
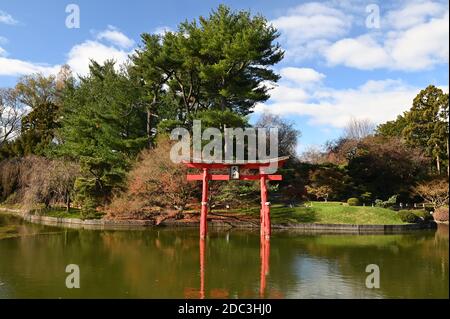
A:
234,169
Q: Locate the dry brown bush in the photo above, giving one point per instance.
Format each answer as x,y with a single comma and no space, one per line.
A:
441,214
47,182
9,178
155,184
35,180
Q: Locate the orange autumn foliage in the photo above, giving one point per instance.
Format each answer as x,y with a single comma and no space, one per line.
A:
154,185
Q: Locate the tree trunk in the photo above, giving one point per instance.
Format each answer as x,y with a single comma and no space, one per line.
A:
149,129
438,160
67,203
448,160
150,114
438,165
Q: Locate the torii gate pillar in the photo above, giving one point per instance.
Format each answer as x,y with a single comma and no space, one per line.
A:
265,209
204,209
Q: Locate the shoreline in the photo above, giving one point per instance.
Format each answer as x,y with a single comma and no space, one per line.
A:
105,224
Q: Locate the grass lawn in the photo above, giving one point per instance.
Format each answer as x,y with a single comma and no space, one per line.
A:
319,213
59,212
330,213
63,213
10,206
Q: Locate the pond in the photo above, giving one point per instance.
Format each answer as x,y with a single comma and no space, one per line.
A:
173,263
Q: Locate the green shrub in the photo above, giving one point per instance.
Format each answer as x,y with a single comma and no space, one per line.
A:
423,214
366,197
88,211
391,201
378,203
441,214
386,204
353,201
408,216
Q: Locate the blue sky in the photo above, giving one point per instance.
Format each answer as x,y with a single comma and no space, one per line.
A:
343,59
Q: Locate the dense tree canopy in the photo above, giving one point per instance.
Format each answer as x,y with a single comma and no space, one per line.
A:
392,128
218,62
424,126
385,167
427,124
103,126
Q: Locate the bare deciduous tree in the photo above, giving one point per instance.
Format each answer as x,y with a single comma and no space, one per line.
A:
357,129
434,192
287,134
11,114
44,181
64,74
313,155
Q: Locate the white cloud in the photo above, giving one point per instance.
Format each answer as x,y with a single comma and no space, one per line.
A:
312,21
294,84
7,18
114,36
118,49
362,53
378,101
15,67
80,55
417,48
301,75
421,46
284,93
309,27
413,36
414,14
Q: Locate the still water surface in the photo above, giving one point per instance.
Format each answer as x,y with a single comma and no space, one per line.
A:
172,263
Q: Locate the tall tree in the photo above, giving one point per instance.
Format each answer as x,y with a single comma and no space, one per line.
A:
103,128
219,62
427,124
152,71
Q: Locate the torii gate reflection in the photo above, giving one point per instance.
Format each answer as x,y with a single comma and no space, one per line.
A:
264,255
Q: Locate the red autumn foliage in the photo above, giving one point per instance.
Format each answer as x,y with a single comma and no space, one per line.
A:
155,186
441,214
